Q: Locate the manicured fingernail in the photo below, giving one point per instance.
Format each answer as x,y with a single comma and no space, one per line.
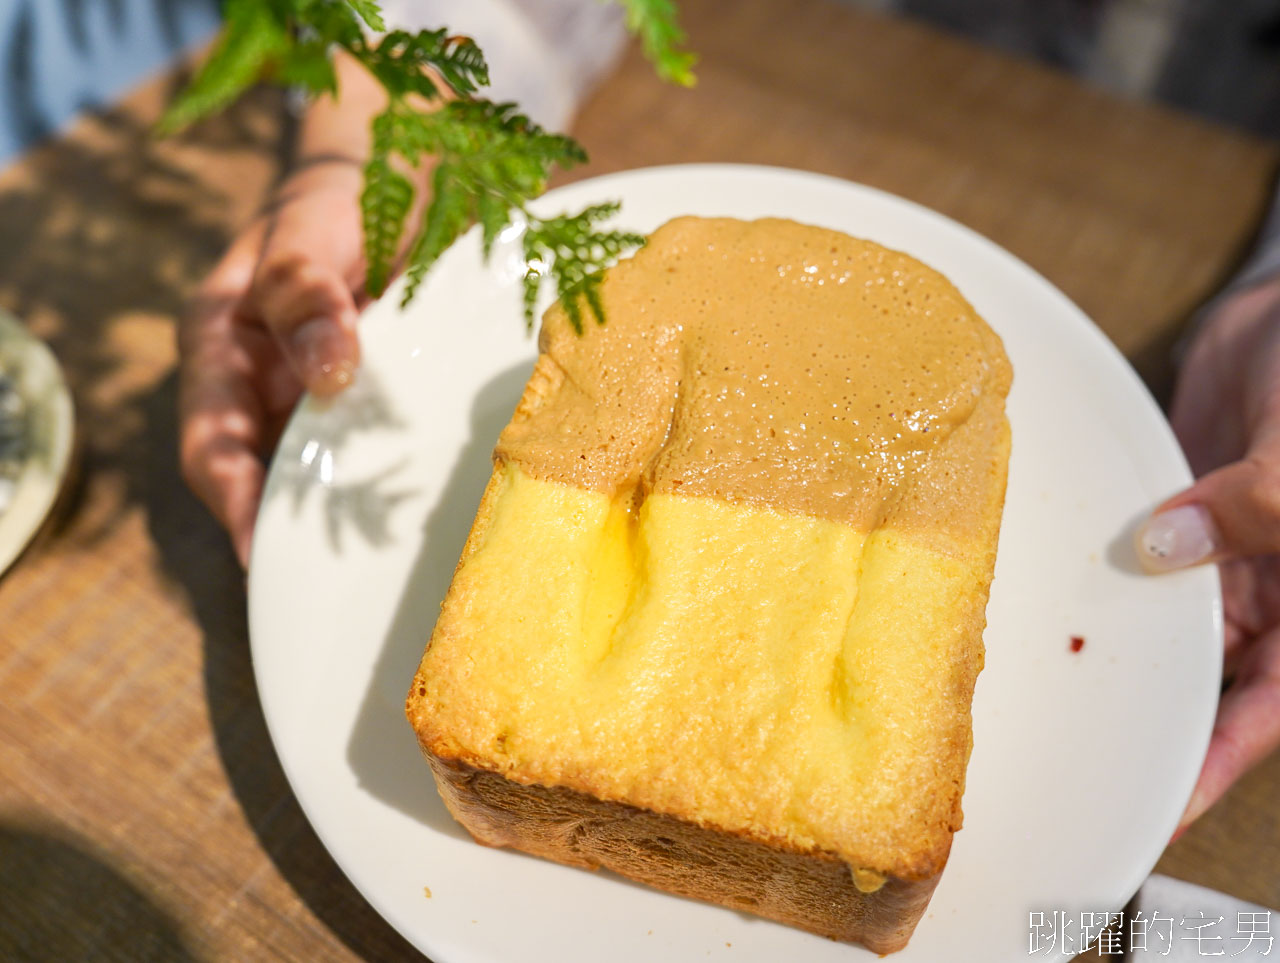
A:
322,354
1177,538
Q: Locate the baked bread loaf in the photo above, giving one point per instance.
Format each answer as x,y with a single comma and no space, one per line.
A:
719,619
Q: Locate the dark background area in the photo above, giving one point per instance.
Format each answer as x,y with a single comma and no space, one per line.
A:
1216,58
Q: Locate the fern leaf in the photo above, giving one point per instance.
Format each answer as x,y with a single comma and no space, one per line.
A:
590,291
503,149
493,214
449,214
395,62
384,207
251,37
400,61
491,160
308,65
567,290
656,24
370,12
573,253
532,285
462,65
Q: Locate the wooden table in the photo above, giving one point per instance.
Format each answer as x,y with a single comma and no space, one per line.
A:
143,813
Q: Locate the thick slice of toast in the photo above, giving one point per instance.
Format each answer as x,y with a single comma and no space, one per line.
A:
719,618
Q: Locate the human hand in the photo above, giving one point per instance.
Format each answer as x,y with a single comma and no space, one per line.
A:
277,315
1226,413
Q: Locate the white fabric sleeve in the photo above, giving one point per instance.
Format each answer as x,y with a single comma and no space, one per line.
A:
546,55
1184,923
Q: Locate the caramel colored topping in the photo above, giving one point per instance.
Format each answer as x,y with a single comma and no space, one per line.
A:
767,363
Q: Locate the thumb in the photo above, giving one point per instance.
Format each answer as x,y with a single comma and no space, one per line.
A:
308,306
1229,513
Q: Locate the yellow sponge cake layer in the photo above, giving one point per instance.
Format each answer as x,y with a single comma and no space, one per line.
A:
719,619
758,669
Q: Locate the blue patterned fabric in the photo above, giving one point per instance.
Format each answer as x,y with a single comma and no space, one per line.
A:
60,56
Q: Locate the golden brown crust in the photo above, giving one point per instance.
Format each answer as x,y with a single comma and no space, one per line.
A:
572,816
937,817
812,891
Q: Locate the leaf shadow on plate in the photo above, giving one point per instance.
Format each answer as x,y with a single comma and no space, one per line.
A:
306,464
383,752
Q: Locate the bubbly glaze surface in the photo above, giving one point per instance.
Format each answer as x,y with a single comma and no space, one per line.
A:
764,362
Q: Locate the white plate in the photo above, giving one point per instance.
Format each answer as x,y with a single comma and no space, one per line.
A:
1082,762
29,487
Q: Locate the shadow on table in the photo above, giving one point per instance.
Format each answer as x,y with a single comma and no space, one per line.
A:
63,902
101,239
199,557
382,751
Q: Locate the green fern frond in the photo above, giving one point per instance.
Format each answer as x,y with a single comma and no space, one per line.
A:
462,65
370,12
656,24
307,64
252,37
501,149
573,252
490,159
384,208
400,61
449,214
494,215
